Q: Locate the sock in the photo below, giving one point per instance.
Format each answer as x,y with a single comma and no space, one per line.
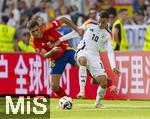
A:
61,92
82,78
100,94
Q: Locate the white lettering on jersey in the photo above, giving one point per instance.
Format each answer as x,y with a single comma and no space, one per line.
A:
94,38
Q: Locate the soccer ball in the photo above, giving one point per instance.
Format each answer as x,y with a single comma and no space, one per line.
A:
66,102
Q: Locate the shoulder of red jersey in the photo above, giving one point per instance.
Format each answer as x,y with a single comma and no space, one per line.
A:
54,24
46,27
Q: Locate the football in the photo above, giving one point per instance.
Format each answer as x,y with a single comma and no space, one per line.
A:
66,103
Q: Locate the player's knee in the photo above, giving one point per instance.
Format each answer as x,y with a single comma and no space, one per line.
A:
103,81
83,61
103,84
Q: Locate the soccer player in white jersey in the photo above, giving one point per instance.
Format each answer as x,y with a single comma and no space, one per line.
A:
95,37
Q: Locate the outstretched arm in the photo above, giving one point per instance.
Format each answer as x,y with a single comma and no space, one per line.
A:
52,53
71,24
111,57
68,36
110,53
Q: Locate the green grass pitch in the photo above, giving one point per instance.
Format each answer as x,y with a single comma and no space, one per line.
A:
84,109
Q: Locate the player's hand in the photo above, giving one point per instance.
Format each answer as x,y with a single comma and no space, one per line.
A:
53,52
55,44
116,71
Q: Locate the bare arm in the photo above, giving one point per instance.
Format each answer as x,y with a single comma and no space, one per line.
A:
115,33
42,52
52,52
110,54
16,45
111,57
46,54
68,36
71,24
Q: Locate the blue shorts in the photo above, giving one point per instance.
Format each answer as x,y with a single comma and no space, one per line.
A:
58,66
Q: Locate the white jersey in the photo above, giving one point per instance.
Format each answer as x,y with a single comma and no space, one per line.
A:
94,39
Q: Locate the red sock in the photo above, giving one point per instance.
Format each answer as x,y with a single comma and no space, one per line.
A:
61,92
109,83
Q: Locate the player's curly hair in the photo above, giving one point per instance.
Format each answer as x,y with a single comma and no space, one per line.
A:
31,24
104,14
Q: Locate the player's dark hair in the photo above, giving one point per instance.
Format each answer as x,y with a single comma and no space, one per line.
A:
104,14
123,10
31,24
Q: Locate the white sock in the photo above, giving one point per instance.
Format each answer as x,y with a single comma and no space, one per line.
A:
100,94
82,78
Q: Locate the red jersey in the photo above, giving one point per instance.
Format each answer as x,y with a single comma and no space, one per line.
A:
50,35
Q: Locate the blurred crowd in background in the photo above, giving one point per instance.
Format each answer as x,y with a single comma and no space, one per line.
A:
16,13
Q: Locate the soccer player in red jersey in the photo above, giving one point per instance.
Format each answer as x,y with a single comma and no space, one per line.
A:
42,38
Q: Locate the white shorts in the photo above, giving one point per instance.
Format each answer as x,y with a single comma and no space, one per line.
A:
94,64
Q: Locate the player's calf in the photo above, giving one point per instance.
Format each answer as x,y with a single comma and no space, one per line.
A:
113,88
58,90
102,80
55,85
82,76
